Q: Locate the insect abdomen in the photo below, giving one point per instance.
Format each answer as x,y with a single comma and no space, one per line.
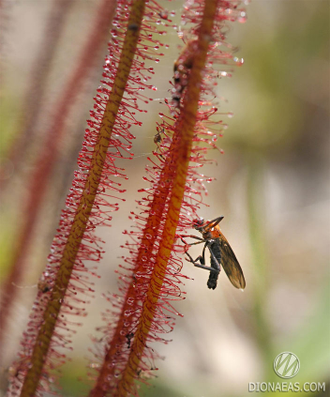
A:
213,277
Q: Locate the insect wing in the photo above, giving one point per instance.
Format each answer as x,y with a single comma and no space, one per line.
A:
230,264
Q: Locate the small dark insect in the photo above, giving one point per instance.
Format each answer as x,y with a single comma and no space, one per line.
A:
221,253
129,337
134,27
157,138
43,286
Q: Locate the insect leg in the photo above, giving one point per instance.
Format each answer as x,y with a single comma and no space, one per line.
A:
201,259
200,239
209,268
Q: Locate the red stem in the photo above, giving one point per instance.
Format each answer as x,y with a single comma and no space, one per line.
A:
48,156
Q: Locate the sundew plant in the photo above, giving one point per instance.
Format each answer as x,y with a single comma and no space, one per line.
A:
150,275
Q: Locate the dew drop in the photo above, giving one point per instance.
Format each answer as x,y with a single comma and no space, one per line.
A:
239,61
242,17
230,114
112,364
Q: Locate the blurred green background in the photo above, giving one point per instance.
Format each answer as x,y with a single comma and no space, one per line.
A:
272,186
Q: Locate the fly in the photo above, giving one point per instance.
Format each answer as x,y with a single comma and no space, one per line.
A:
221,253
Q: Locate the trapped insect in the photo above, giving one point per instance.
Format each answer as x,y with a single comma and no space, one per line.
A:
182,67
221,252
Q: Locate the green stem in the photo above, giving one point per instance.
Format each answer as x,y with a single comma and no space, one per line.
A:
256,214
